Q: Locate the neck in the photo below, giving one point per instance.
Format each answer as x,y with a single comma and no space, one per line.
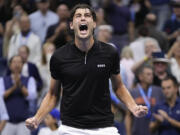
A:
43,12
171,102
53,127
85,44
25,33
145,86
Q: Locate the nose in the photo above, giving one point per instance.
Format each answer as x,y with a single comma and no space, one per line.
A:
82,17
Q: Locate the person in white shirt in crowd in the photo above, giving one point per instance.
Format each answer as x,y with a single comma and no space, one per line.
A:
151,45
137,46
26,37
42,19
51,121
3,114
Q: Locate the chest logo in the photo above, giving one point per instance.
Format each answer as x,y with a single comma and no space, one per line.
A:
101,65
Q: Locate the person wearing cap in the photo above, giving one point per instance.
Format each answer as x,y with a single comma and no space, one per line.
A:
51,122
160,64
42,19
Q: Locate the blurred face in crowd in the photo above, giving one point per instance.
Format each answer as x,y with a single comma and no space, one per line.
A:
43,6
150,48
63,11
17,11
100,14
176,51
23,52
24,23
169,89
160,67
104,35
146,76
49,120
83,23
177,11
16,64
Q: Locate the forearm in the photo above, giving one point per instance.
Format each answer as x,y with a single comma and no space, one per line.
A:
8,92
173,122
153,126
131,31
47,105
128,122
24,91
2,124
124,95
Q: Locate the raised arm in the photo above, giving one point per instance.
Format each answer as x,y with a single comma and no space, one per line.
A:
47,104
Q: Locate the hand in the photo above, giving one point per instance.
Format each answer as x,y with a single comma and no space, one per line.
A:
158,117
163,114
140,111
32,123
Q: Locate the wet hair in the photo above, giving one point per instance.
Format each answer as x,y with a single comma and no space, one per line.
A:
172,78
82,6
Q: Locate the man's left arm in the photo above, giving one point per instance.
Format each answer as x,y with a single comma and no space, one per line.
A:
124,95
171,120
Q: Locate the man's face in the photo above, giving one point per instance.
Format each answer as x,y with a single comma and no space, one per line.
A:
24,23
177,11
16,64
160,67
147,76
169,89
43,6
63,12
83,24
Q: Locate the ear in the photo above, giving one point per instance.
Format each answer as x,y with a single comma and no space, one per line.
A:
94,25
71,25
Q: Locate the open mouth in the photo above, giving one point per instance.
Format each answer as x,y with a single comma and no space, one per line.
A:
83,28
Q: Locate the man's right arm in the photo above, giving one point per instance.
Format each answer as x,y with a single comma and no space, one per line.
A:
47,105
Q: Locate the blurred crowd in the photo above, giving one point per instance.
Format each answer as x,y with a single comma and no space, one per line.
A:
146,34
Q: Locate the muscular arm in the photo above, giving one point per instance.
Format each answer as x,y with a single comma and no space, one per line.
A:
47,104
124,95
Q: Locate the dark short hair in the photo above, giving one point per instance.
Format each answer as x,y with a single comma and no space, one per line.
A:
172,78
11,59
82,6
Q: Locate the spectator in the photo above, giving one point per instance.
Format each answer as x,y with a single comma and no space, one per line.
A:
12,27
47,51
151,46
104,33
166,116
160,64
17,90
45,18
144,94
26,37
59,33
51,121
162,10
172,25
119,15
150,23
174,55
137,46
127,61
3,114
100,16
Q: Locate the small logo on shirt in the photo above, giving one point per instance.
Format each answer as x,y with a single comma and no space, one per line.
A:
101,65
